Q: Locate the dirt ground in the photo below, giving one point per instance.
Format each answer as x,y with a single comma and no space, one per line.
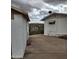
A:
46,47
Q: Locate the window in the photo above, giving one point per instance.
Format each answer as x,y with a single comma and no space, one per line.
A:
52,22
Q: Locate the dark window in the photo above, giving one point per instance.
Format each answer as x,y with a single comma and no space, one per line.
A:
52,22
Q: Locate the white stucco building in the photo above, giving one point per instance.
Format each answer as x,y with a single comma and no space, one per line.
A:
19,32
55,24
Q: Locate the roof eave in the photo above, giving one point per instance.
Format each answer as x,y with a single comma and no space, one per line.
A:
22,12
53,14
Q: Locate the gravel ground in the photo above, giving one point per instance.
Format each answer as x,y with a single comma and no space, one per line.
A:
46,47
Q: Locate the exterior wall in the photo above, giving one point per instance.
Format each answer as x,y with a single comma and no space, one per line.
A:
18,36
49,29
61,25
59,28
27,30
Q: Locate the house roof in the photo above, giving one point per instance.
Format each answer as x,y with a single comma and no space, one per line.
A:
36,22
21,12
53,14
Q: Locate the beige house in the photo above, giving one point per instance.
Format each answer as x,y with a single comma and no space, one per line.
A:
55,24
19,32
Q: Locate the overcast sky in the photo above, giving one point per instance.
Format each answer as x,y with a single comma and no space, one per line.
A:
38,9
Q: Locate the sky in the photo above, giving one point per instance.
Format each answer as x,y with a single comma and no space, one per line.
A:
38,9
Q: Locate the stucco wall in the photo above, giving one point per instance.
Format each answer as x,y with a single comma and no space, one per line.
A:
27,24
61,25
18,35
59,28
